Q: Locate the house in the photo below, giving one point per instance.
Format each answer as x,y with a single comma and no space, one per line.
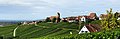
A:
57,17
84,30
64,20
83,19
118,15
33,22
90,28
71,19
92,16
24,23
30,22
104,16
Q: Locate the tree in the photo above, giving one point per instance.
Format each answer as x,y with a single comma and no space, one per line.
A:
81,24
116,15
48,19
54,20
110,22
58,20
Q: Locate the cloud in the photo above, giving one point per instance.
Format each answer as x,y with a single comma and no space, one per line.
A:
43,8
14,2
58,3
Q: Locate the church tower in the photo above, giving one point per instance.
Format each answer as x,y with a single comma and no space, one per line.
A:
58,14
58,17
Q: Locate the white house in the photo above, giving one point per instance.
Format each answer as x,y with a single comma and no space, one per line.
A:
100,18
83,19
71,21
24,23
84,30
90,28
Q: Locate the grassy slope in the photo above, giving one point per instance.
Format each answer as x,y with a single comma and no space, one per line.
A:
54,31
112,34
43,29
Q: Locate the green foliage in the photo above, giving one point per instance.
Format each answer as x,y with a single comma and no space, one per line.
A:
48,19
55,31
43,29
110,22
96,22
54,20
97,35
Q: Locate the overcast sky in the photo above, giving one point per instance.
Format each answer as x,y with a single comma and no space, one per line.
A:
40,9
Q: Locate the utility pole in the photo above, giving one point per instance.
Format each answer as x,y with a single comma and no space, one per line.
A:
14,32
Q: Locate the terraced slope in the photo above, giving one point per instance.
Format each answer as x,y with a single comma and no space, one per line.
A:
43,29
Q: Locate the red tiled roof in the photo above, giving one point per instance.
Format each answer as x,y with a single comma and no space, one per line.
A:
92,15
79,17
103,15
93,27
87,17
72,18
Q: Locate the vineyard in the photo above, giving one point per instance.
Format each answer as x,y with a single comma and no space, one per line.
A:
43,29
97,35
55,31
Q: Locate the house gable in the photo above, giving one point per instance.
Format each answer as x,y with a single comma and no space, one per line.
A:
83,19
90,28
84,30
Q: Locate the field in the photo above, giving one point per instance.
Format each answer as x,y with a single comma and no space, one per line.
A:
54,31
43,29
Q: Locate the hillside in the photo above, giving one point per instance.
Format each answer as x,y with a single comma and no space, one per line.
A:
43,29
54,31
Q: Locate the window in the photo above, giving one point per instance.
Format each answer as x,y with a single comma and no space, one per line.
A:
86,31
82,31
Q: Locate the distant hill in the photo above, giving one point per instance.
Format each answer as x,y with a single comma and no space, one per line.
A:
9,22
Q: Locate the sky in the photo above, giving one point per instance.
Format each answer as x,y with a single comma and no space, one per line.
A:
40,9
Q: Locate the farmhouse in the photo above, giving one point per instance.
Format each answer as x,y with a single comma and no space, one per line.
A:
90,28
103,16
91,16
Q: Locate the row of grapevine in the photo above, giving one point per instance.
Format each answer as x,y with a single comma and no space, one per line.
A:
97,35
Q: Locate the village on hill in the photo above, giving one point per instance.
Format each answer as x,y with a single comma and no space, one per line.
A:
85,19
105,26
